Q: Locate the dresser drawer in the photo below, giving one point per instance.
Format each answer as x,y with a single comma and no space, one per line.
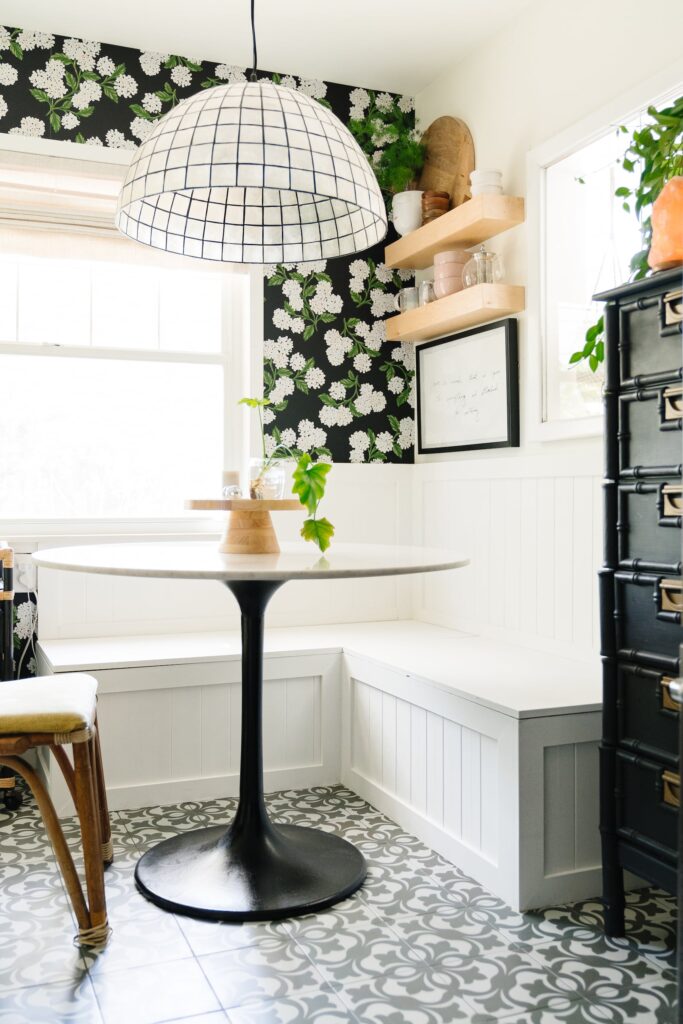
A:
650,422
647,802
650,335
648,613
647,717
649,524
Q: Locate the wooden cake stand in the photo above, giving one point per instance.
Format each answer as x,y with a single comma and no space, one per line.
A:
249,529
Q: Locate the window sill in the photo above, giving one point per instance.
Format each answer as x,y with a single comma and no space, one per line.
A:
28,534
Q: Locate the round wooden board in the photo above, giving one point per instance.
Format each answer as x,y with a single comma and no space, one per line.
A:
449,160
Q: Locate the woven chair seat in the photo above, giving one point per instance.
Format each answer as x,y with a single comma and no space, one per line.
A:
48,704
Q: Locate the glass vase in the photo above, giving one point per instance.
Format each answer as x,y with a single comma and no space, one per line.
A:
266,479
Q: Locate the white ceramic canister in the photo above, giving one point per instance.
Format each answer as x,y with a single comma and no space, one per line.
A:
406,211
486,183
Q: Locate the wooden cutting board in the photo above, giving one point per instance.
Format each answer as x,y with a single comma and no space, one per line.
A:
449,160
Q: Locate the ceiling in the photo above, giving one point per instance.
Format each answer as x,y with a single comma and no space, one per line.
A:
382,44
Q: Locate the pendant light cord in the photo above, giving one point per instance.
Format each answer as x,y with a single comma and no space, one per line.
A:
253,37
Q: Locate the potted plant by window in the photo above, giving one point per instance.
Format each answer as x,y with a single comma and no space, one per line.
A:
655,154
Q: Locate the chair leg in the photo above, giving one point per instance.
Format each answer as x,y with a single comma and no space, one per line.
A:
86,805
101,794
61,757
56,836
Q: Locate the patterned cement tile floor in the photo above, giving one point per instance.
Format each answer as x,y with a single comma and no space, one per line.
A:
420,943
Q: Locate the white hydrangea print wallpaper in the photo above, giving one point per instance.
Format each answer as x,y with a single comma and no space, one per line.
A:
338,388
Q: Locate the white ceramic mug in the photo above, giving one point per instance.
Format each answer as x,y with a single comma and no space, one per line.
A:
406,211
406,299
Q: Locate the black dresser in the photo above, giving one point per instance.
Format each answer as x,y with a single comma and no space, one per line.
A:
640,586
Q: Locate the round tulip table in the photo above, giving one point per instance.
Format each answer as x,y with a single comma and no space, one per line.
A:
252,869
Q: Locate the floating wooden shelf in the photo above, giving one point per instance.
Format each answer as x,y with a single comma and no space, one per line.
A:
477,305
471,223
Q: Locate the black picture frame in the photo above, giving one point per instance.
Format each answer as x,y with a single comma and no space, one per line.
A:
511,440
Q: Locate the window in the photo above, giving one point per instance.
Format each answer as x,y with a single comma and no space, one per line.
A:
585,243
118,364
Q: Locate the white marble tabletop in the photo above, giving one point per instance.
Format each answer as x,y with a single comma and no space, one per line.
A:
202,560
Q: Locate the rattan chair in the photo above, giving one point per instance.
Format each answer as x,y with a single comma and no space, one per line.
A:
54,712
8,783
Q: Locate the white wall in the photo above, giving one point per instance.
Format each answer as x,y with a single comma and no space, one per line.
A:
531,517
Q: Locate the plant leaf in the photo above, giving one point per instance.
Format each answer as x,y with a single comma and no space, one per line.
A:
320,531
308,481
254,403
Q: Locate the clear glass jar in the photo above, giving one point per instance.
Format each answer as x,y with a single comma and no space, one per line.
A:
266,479
231,484
484,268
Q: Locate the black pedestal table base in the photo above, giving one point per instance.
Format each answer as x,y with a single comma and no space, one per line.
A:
253,869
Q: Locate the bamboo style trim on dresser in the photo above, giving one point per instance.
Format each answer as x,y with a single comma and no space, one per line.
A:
642,364
479,304
471,223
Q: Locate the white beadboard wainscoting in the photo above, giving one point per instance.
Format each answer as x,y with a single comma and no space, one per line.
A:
171,732
508,793
484,750
532,527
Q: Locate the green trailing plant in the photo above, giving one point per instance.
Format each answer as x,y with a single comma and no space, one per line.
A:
655,155
308,480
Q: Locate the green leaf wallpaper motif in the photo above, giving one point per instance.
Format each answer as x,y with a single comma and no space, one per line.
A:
338,389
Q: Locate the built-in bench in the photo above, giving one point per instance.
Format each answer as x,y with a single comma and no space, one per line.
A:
487,751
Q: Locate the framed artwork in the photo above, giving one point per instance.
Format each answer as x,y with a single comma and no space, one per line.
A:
468,390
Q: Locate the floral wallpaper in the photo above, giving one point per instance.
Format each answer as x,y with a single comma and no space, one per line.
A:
337,388
24,634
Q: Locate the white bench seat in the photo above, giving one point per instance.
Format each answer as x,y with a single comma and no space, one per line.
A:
515,680
486,750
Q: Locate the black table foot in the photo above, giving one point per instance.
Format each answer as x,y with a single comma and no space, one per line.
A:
222,875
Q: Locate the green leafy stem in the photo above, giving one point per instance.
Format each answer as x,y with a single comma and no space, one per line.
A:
309,481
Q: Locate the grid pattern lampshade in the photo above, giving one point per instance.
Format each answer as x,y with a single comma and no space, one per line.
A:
252,173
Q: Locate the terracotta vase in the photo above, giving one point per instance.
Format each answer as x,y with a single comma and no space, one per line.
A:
667,227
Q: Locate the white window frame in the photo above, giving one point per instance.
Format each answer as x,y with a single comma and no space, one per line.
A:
242,363
564,144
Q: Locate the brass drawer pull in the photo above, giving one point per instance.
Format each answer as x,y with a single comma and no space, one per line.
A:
668,703
672,308
671,595
673,403
671,789
673,499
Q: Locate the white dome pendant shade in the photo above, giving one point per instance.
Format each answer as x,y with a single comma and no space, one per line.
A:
252,173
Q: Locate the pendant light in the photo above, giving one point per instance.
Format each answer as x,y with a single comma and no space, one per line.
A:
252,172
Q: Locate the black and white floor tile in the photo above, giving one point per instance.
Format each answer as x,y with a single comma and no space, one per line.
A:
420,943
